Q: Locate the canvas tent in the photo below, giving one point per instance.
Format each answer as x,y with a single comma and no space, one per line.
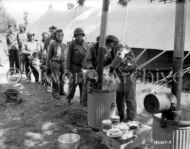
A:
56,18
148,26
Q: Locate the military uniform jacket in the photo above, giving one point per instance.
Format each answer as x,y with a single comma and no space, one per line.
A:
56,52
91,60
75,55
12,41
125,65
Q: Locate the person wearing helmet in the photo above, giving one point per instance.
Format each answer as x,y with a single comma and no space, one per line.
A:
75,56
122,65
56,61
22,39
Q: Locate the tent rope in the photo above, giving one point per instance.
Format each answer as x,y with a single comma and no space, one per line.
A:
171,72
149,61
124,24
140,55
186,55
186,70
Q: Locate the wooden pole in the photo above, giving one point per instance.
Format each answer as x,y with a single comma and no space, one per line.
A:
103,32
179,50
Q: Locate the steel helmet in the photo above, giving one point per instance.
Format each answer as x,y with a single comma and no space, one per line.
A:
111,38
78,31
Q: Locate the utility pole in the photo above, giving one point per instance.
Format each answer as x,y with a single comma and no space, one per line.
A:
103,33
179,40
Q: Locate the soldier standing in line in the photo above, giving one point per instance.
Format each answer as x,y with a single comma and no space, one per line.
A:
30,54
91,60
45,50
12,47
56,61
22,39
75,56
123,65
47,42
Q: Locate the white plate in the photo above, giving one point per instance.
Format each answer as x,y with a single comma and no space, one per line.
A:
133,124
109,134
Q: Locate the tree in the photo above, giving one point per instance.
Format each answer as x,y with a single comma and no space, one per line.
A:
81,2
5,19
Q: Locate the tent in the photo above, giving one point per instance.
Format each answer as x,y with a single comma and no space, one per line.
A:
148,26
56,18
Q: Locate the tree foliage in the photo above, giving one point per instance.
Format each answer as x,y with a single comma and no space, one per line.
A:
81,2
125,2
5,19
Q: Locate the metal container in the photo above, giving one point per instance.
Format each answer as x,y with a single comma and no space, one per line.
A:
106,125
69,141
175,134
159,102
11,95
115,120
185,113
100,104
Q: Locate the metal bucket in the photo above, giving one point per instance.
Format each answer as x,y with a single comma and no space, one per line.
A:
159,102
69,141
11,95
100,104
185,113
175,135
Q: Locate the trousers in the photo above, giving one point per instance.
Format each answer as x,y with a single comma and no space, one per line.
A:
14,58
126,97
75,80
57,70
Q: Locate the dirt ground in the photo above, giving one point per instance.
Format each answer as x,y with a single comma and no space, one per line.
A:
39,120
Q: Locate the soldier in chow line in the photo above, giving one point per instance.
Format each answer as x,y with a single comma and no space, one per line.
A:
56,62
76,54
123,65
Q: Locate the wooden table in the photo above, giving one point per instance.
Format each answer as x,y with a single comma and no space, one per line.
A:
143,135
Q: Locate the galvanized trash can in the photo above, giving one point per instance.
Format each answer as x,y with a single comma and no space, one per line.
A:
100,103
175,135
185,113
